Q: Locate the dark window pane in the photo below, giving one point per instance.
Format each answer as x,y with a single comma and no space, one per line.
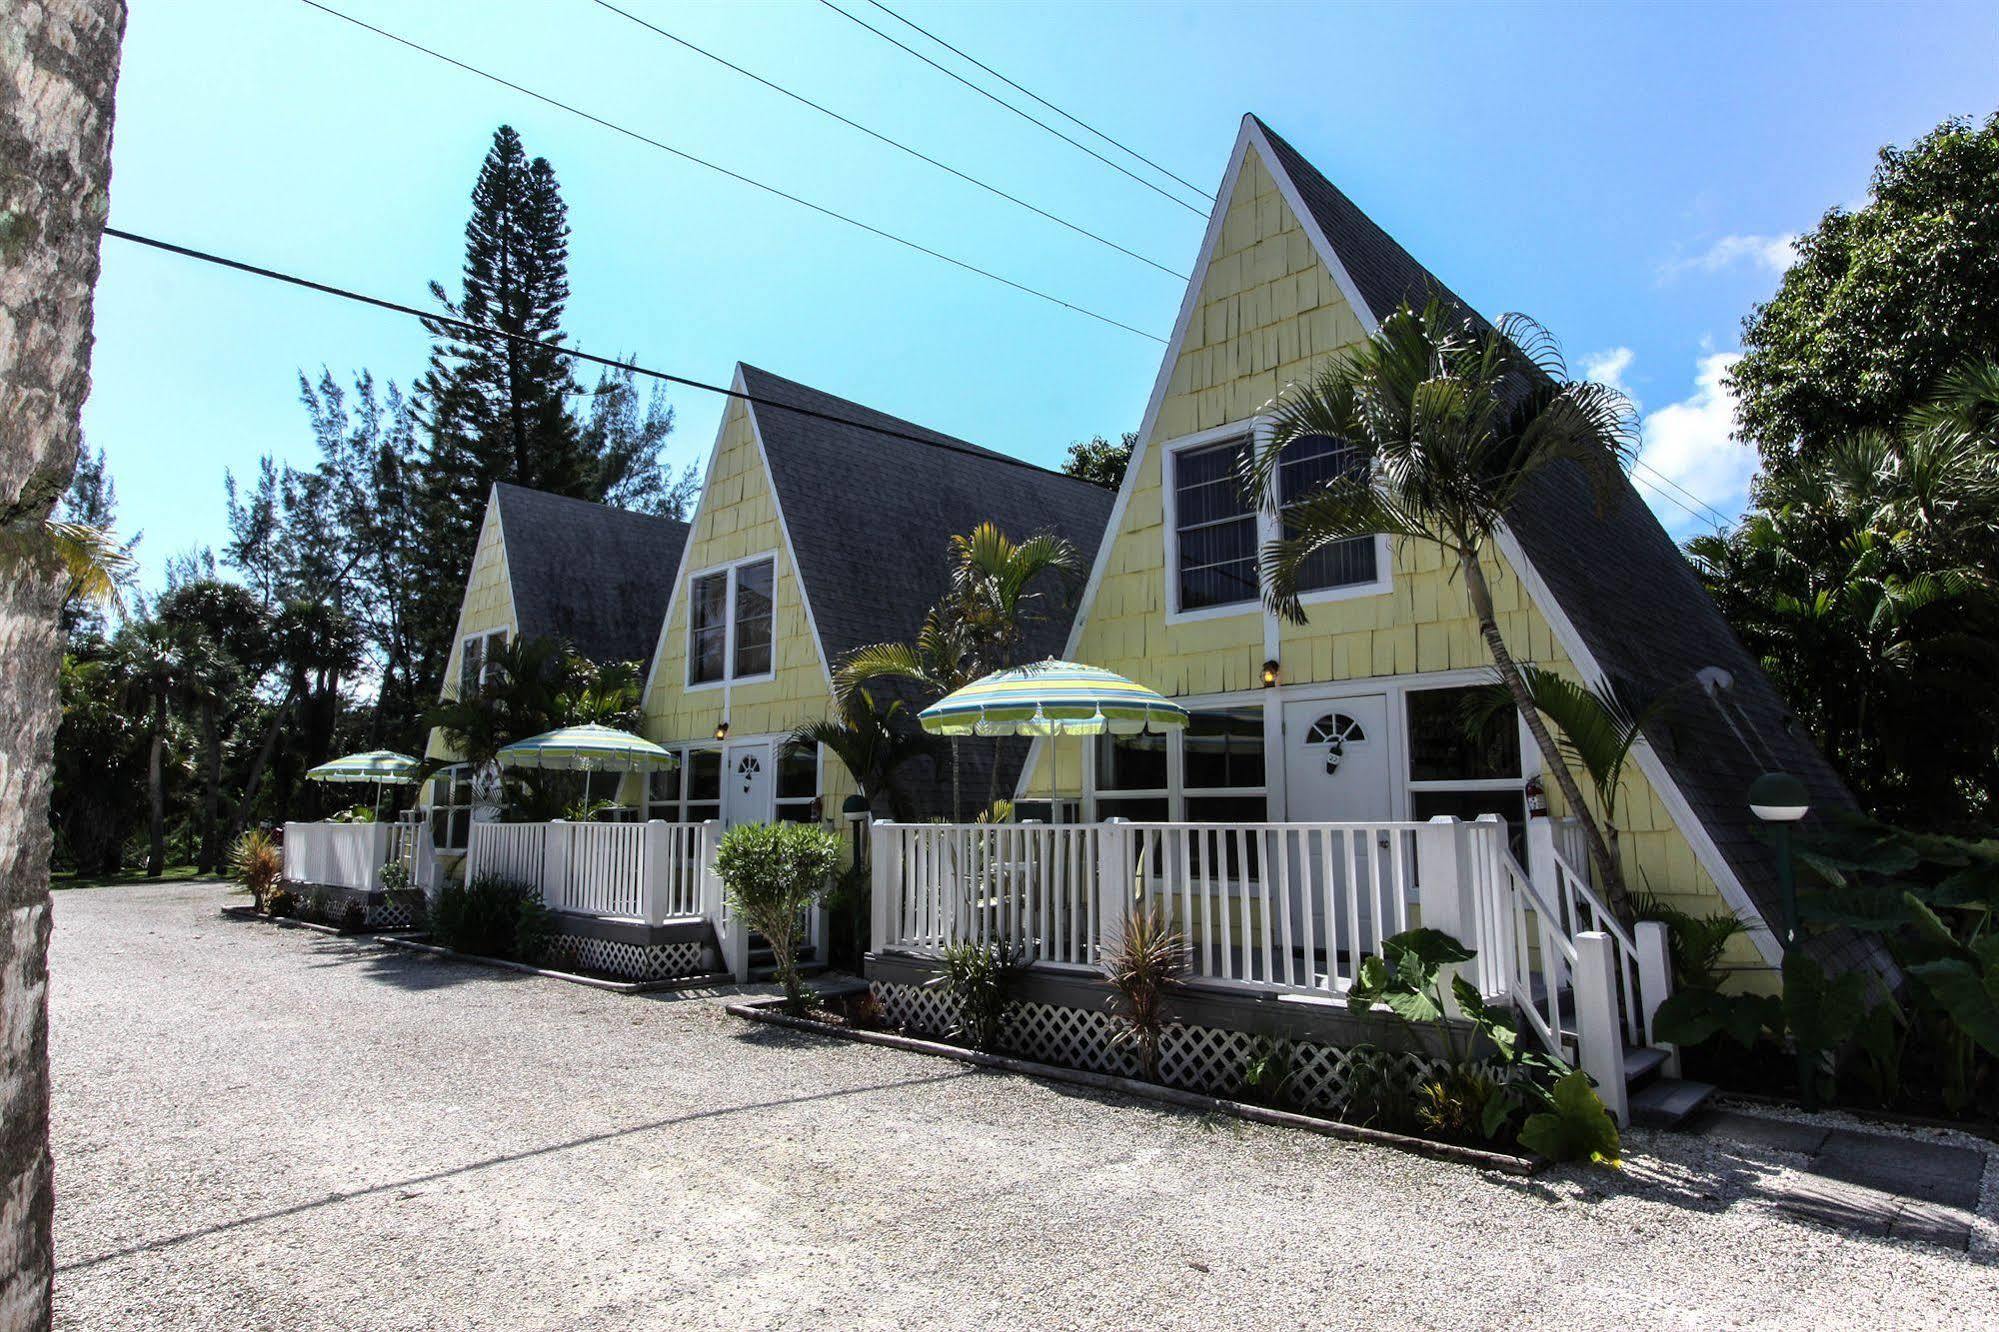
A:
1307,465
1147,809
1236,862
1468,805
663,784
440,825
471,665
795,812
708,631
797,772
1222,749
461,828
1442,749
753,618
701,813
1131,762
704,774
1215,528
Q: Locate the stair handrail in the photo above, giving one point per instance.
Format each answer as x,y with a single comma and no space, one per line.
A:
1578,896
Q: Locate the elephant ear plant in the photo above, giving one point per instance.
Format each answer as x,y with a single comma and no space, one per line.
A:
1467,1096
774,873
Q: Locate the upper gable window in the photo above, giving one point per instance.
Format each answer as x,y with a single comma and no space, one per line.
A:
731,624
1214,528
1307,465
477,655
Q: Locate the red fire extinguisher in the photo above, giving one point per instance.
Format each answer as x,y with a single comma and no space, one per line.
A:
1537,799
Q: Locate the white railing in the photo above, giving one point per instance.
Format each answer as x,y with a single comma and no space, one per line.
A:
1287,907
337,855
1274,905
410,846
652,872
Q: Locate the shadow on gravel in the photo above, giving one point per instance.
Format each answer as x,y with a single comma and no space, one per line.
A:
472,1167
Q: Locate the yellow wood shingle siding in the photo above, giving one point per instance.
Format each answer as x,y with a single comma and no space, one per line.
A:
488,604
737,518
1267,312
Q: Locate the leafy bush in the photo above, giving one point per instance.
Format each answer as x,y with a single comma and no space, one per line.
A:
395,877
1574,1126
774,873
1143,964
258,864
354,916
280,902
1266,1079
980,979
492,917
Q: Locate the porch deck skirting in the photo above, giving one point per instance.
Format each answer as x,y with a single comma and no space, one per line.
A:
630,949
1066,1018
379,910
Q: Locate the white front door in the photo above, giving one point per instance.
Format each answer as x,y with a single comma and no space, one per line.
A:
1336,770
746,784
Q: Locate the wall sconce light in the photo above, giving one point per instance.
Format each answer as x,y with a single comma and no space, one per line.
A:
722,729
1271,675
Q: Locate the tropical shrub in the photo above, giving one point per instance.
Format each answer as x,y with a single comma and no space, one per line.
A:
353,916
980,979
492,917
1143,964
1573,1125
281,902
774,873
258,864
1267,1078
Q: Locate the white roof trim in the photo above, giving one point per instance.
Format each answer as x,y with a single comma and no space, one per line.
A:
1649,762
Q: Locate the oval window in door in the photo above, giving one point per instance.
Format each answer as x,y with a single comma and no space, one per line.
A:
1334,732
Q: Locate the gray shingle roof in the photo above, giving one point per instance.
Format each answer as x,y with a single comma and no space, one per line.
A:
871,517
594,575
1633,599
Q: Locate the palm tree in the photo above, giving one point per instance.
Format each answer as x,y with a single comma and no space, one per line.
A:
150,663
96,568
871,746
1452,422
307,640
939,661
1599,727
995,589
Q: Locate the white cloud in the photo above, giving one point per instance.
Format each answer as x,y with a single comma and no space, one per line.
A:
1773,254
1688,444
1686,458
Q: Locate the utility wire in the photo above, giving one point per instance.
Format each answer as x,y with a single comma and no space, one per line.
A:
487,330
1001,101
1660,478
821,209
1680,504
893,143
1074,120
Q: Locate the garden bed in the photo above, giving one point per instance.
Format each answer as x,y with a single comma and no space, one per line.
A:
833,1021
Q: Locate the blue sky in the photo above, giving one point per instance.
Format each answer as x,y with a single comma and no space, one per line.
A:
1628,176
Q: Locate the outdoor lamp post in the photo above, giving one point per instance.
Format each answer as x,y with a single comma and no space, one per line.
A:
1780,800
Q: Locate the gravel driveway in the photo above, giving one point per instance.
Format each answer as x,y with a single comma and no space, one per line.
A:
264,1128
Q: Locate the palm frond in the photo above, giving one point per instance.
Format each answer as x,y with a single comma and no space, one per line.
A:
96,566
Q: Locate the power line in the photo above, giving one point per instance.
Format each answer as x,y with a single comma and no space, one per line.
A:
487,330
1001,101
893,143
1680,504
736,175
1074,120
1661,478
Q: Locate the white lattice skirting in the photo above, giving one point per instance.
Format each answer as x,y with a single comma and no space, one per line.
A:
1204,1059
628,961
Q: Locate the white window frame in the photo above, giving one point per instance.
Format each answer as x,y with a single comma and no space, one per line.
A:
1269,525
729,676
778,802
680,770
443,780
484,638
1176,791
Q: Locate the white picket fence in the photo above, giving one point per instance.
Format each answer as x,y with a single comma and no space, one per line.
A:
652,872
1286,907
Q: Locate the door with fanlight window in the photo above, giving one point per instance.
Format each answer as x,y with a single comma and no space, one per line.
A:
1336,770
746,783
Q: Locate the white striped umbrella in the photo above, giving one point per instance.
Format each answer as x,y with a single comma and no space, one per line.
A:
382,767
587,749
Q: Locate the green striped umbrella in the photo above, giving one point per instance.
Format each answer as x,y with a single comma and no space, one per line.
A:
587,749
1052,698
383,767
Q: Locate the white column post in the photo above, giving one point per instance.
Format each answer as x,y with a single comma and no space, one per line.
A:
657,878
885,886
1655,982
378,855
1443,884
1599,1033
555,864
1115,892
1541,864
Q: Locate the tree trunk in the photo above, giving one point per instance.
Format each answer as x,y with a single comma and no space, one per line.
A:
257,765
957,796
1537,726
211,797
156,800
58,69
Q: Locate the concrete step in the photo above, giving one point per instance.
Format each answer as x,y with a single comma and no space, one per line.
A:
1665,1102
1640,1063
768,972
